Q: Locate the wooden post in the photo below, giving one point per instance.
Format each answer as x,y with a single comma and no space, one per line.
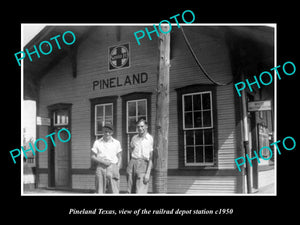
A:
160,158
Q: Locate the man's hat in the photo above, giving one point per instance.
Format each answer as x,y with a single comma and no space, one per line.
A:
109,126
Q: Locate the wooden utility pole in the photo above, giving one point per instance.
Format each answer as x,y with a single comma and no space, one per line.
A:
160,158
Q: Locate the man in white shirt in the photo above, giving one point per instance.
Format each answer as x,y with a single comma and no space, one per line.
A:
140,164
106,152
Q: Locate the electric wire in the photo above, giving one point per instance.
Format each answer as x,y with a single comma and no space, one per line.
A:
199,64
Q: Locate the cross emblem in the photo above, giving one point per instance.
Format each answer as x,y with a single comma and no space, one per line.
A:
119,57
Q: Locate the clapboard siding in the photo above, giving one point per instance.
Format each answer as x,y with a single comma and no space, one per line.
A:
176,184
201,185
173,130
43,156
213,55
86,182
59,86
226,128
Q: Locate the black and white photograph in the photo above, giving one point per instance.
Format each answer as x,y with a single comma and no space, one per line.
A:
127,112
150,109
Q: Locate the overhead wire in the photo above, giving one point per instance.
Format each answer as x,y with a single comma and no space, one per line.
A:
199,64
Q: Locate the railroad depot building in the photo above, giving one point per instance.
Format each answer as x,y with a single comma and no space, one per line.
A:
105,76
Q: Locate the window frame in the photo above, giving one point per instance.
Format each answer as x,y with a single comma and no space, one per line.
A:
93,103
134,96
136,115
56,113
211,110
95,108
193,129
193,90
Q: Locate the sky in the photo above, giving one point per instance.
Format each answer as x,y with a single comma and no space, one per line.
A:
30,30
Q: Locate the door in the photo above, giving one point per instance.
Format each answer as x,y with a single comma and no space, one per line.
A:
62,159
60,154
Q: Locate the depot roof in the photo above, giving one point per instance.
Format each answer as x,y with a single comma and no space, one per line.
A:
251,49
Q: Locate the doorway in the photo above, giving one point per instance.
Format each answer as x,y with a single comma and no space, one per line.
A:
60,153
62,159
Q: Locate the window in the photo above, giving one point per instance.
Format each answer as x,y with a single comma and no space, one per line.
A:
136,105
196,126
60,118
103,110
136,109
197,108
103,114
263,140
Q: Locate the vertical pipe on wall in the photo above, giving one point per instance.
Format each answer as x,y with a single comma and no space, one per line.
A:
246,138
